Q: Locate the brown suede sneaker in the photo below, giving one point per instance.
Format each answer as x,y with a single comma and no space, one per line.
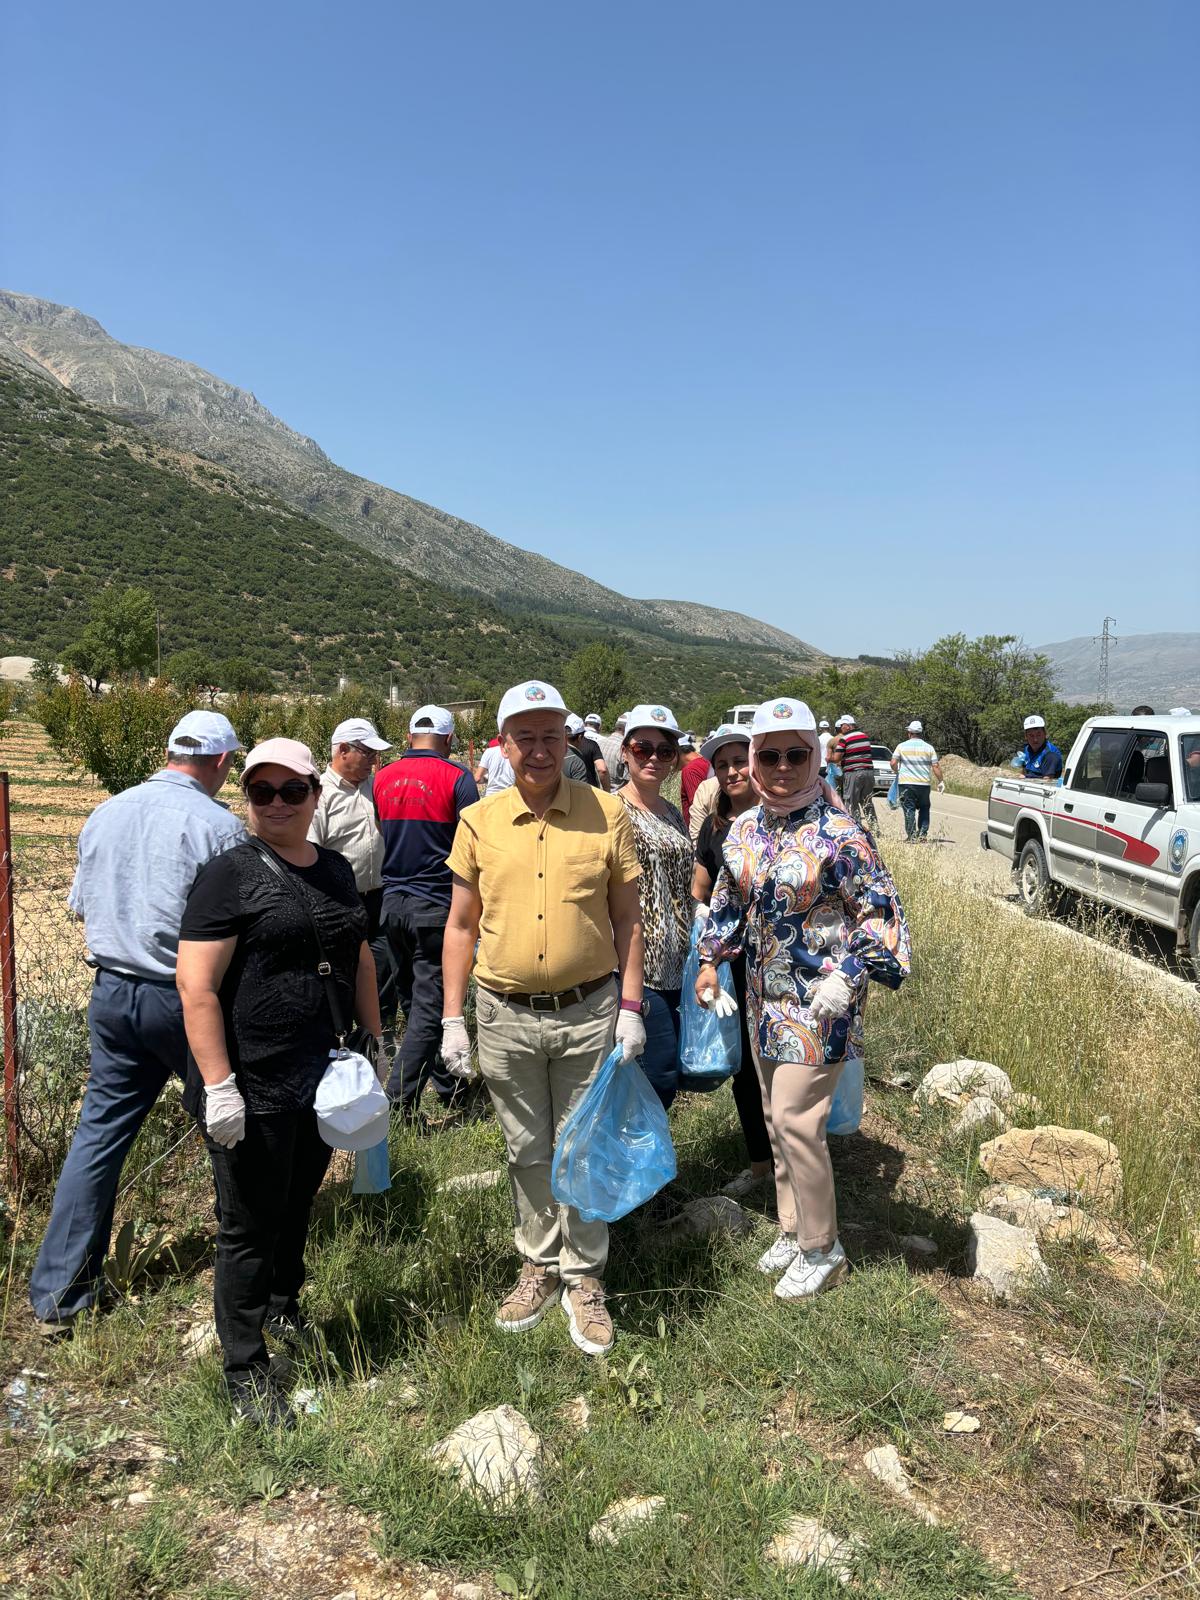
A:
528,1301
587,1317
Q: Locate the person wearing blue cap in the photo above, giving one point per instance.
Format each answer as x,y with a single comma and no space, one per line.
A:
139,854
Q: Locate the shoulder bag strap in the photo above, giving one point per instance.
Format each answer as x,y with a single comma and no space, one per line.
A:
324,968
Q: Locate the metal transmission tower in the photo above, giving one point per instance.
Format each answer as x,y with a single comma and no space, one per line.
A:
1104,639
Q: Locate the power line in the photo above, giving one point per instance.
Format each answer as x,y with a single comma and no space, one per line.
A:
1104,639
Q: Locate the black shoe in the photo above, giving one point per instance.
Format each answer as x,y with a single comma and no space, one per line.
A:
254,1398
292,1330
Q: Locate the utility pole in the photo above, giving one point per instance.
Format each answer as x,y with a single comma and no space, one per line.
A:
158,641
1105,639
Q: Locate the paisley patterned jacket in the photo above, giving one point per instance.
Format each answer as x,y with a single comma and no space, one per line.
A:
803,896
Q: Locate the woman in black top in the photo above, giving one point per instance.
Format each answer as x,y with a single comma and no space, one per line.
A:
260,1032
729,752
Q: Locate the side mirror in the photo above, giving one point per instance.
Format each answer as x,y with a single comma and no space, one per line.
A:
1153,794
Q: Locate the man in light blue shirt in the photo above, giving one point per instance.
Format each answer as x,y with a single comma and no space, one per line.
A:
915,763
139,854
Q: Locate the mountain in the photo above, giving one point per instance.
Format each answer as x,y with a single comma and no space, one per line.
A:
87,501
1159,669
186,408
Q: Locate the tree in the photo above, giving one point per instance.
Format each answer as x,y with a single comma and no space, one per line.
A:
971,694
596,679
192,673
119,639
120,737
239,676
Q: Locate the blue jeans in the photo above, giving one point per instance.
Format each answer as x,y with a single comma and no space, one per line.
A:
660,1058
137,1038
914,802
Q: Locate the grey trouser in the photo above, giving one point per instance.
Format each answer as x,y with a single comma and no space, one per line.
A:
797,1097
858,791
536,1064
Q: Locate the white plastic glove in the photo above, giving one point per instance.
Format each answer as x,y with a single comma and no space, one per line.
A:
829,998
456,1049
701,914
224,1112
630,1034
941,787
719,1001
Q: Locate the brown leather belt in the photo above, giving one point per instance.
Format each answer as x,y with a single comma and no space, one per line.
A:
551,1002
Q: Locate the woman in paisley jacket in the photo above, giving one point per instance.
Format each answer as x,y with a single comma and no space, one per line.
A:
805,894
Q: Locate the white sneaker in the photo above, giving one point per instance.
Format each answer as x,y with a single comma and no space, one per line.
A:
812,1271
781,1254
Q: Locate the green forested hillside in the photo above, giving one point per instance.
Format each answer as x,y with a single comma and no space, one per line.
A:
86,501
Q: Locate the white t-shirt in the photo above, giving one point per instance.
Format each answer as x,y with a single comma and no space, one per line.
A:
497,770
914,760
826,739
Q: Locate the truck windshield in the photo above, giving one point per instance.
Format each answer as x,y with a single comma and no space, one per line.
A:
1189,749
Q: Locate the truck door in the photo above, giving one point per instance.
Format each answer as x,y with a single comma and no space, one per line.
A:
1139,877
1079,844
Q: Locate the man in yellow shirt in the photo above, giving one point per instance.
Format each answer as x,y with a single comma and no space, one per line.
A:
545,878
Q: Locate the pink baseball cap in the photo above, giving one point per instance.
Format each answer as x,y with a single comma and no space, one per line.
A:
289,753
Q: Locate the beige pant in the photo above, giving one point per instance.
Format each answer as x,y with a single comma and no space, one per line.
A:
536,1064
796,1100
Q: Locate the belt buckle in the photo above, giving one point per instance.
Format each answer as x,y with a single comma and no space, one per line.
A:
551,1006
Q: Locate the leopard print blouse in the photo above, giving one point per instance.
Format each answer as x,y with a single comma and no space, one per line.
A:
664,853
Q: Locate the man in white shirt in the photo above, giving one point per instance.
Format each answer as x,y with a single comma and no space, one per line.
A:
915,763
494,771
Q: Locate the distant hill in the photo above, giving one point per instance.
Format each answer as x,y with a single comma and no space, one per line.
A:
1159,669
86,501
189,409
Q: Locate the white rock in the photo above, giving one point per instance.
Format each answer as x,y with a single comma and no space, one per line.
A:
980,1111
346,1594
496,1456
803,1542
960,1422
1003,1256
1055,1158
472,1180
140,1497
576,1413
885,1464
954,1080
624,1515
1024,1209
711,1214
916,1244
200,1340
467,1591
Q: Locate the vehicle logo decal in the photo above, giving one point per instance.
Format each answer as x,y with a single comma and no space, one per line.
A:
1177,850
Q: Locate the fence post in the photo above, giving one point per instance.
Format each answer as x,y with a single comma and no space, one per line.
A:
8,987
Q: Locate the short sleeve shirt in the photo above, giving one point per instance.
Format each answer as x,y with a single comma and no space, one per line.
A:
664,852
497,769
914,761
278,1026
544,884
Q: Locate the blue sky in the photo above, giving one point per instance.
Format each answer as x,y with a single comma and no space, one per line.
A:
877,321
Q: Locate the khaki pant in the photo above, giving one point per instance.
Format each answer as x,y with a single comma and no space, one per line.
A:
796,1099
536,1064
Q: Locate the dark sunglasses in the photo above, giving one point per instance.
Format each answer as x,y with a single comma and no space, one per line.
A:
643,750
795,757
293,793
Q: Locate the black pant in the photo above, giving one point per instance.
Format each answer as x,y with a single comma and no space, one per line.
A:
747,1091
265,1188
415,929
381,951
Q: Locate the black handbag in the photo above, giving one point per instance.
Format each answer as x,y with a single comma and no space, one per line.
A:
360,1040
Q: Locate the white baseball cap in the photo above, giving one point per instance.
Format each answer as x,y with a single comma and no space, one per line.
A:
574,724
1034,722
281,752
774,715
824,722
727,733
592,720
212,732
357,730
436,719
647,716
846,721
915,727
352,1109
532,696
686,741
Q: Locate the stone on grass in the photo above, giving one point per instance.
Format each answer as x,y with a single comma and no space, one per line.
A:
980,1111
1024,1209
917,1244
803,1542
956,1081
200,1340
960,1422
885,1464
623,1516
711,1214
576,1413
495,1455
472,1180
467,1591
1069,1158
1004,1257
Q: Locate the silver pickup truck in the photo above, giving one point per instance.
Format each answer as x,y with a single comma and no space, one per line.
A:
1123,827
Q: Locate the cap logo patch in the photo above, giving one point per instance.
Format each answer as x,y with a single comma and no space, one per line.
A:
535,692
782,710
659,714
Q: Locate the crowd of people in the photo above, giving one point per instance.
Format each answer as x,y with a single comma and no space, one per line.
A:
559,880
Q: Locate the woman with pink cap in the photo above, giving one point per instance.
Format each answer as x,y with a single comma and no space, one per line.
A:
274,939
804,893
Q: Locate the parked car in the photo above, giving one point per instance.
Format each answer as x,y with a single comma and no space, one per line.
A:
880,758
1123,827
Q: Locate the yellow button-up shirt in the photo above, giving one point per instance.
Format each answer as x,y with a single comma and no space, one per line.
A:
544,885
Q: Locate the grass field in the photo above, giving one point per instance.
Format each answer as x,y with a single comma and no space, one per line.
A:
120,1477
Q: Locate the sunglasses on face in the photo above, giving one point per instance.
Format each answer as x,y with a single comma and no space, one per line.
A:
293,793
645,751
796,756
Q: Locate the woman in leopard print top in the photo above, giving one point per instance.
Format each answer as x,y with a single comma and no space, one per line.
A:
650,750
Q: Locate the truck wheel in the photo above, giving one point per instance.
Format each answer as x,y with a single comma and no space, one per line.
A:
1194,942
1037,891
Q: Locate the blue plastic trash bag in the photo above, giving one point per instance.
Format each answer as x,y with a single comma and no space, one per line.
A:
710,1047
845,1114
372,1172
614,1150
894,794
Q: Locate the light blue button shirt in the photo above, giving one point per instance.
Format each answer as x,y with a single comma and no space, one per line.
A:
139,854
